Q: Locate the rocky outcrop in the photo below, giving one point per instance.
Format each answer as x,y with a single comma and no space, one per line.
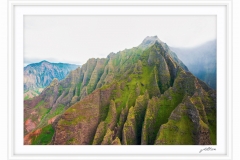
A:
129,136
76,127
116,141
29,125
100,133
106,127
188,123
108,138
150,124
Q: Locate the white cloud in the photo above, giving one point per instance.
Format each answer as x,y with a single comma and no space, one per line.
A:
75,39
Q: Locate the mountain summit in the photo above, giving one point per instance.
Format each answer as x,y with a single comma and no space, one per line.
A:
149,40
39,75
137,96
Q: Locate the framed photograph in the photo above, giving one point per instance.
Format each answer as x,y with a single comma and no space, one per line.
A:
127,79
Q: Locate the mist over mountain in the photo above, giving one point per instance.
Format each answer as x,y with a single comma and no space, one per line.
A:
39,75
201,61
139,96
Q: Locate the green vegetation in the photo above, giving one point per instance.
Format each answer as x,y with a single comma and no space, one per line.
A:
211,116
100,133
44,137
96,75
60,90
79,85
39,104
140,110
26,97
130,129
130,98
74,121
52,113
177,132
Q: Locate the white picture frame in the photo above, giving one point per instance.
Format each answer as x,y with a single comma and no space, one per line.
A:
13,63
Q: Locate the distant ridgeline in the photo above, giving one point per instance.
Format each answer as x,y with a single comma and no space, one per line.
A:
143,95
37,76
201,61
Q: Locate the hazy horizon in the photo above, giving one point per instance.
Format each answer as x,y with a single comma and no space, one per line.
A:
75,39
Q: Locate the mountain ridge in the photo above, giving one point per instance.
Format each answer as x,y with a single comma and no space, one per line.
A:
126,98
48,62
201,61
39,75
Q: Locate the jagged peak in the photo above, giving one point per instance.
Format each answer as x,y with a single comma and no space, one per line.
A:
44,61
111,55
149,41
152,38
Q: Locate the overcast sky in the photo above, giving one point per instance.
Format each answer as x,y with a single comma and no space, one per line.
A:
75,39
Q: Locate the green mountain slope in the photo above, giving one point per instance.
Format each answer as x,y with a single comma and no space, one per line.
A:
127,98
